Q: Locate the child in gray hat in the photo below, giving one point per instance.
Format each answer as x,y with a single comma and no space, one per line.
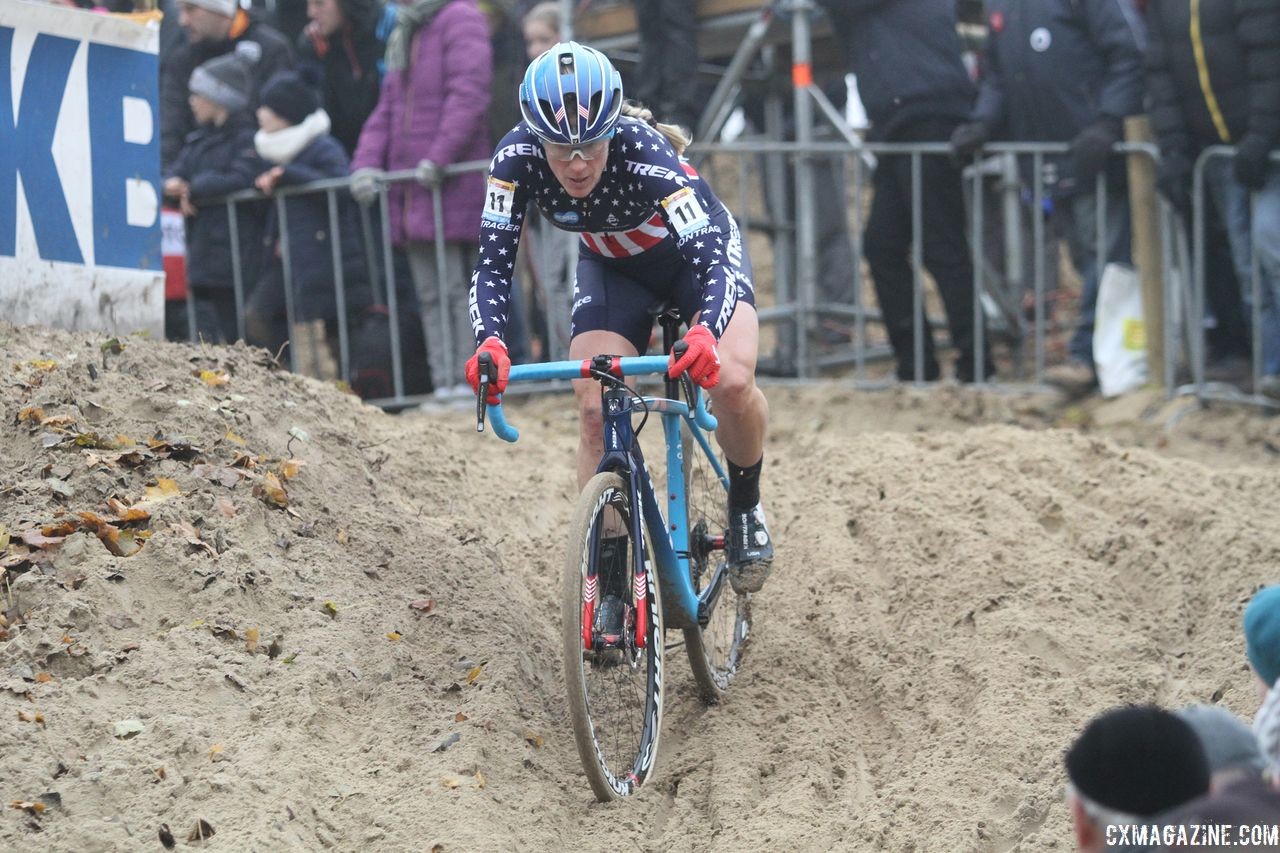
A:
216,159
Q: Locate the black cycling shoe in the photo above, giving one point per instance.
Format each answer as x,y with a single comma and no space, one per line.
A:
750,550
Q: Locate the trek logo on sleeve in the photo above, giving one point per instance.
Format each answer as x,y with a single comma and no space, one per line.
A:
654,170
516,149
499,200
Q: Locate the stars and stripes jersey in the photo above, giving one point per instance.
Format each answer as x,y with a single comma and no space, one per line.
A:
649,205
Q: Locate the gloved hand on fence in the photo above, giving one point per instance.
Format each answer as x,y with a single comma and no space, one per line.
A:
701,359
968,139
364,185
428,174
1092,146
1252,161
1173,180
497,384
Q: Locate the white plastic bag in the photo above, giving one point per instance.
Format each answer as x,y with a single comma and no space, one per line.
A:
1119,332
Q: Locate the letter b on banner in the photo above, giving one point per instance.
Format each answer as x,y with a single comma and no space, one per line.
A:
125,151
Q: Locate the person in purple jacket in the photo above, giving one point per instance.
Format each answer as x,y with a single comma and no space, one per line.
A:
433,112
653,234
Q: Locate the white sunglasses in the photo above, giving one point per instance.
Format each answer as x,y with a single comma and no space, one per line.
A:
563,152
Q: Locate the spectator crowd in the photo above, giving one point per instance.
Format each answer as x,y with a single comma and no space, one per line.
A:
386,97
1146,778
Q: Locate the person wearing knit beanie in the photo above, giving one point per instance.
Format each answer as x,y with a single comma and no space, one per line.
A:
1130,764
224,81
290,96
1229,745
207,20
1262,634
225,8
291,120
1262,647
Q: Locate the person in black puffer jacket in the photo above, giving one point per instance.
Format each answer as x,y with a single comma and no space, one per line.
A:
1066,71
914,86
341,42
213,28
217,159
295,139
1213,70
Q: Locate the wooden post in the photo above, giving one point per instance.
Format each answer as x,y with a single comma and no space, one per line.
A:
1144,212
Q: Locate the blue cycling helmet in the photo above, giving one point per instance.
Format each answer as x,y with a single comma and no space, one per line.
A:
571,94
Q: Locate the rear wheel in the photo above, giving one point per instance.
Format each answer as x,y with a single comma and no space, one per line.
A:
615,689
714,647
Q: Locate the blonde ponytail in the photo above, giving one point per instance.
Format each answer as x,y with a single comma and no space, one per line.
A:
673,132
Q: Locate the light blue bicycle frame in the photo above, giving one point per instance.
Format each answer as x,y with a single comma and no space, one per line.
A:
680,603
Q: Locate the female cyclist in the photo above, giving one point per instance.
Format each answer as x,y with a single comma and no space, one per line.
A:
653,233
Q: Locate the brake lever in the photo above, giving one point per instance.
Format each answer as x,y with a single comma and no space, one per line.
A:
485,361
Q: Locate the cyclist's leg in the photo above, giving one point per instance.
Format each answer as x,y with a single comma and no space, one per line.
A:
743,415
587,391
740,406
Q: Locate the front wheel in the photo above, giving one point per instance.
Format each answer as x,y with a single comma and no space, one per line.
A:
614,678
715,646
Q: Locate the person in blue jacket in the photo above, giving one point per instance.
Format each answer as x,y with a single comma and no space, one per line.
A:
1066,71
216,159
653,233
294,138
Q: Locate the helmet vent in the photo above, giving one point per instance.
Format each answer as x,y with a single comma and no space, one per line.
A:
571,118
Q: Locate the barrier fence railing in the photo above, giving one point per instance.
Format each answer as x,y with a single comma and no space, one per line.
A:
1010,296
1240,212
1022,192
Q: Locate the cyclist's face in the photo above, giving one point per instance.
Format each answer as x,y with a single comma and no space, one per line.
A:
580,173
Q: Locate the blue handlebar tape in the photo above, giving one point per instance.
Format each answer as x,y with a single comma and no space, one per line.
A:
498,423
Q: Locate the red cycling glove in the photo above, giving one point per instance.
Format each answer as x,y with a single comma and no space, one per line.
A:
498,352
700,359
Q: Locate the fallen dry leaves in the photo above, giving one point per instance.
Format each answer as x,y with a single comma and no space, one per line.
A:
271,491
214,378
36,809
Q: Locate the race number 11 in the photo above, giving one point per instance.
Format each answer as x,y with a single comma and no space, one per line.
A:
685,212
498,199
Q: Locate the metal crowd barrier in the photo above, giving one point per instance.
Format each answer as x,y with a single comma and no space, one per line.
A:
798,310
795,309
1199,385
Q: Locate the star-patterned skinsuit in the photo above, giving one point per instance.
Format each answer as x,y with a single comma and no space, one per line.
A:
654,234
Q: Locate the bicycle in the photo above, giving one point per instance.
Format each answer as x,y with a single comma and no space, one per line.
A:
615,682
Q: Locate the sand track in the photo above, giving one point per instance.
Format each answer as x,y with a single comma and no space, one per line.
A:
957,590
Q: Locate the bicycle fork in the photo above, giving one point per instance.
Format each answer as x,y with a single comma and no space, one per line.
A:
618,438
